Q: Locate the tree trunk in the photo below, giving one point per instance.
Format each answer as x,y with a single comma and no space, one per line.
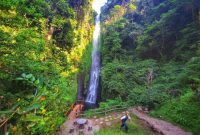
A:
50,33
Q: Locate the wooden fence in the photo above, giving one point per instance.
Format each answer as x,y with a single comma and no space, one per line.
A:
104,111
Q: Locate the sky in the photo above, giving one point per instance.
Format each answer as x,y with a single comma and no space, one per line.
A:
97,4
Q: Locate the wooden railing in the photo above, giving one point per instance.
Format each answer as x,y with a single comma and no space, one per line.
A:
104,111
73,105
80,102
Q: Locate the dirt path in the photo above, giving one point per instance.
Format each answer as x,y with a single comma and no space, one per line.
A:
69,128
160,126
94,124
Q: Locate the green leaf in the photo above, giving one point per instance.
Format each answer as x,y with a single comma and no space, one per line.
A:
31,125
37,81
33,79
5,112
32,117
35,106
29,76
11,110
19,78
24,75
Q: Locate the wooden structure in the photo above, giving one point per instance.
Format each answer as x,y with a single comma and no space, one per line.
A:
104,111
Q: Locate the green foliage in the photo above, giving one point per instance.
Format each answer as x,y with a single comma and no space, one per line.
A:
161,36
110,103
116,77
184,111
38,74
132,7
116,12
112,42
152,98
29,78
166,36
86,59
190,73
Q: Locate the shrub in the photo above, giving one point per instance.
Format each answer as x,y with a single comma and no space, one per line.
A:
183,111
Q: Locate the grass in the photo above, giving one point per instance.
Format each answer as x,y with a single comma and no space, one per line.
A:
135,128
183,111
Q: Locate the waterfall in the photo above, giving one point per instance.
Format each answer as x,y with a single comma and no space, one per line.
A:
92,92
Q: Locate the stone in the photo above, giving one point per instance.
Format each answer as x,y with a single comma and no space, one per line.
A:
106,120
86,122
89,128
75,123
81,131
139,108
71,130
108,123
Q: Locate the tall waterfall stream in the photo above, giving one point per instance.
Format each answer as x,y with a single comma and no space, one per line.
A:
92,92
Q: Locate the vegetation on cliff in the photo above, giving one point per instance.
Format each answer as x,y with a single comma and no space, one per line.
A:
150,57
150,53
43,45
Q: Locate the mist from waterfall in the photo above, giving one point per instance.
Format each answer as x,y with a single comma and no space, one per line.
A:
92,92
